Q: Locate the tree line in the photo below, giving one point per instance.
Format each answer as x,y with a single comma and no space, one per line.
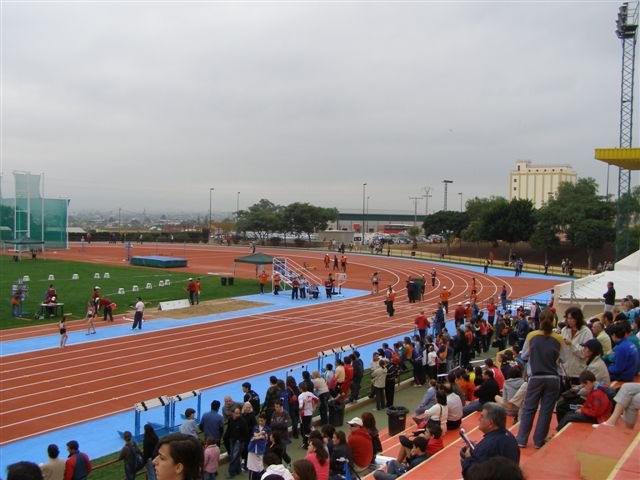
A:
576,214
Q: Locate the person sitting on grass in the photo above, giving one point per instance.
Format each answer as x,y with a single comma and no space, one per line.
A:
595,407
416,457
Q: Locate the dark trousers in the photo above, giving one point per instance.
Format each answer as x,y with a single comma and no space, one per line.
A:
390,391
380,399
137,321
305,425
576,417
108,313
542,392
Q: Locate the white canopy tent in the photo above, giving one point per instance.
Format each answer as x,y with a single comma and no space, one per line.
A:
587,292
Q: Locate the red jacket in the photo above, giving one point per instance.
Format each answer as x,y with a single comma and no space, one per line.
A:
421,322
77,468
597,405
361,447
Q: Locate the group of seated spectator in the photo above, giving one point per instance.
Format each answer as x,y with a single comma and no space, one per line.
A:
587,357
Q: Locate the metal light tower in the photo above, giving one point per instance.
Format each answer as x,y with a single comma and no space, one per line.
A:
446,184
211,189
626,30
364,215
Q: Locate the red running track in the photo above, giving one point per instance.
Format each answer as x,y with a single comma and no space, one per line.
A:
46,390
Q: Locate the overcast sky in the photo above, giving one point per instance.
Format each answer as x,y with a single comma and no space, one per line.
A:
149,104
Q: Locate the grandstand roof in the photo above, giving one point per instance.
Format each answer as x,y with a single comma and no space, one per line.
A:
625,277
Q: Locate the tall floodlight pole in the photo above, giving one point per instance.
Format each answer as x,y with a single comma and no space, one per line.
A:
626,30
446,184
460,193
211,189
237,204
364,214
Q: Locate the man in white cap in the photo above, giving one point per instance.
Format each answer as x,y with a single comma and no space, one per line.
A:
361,446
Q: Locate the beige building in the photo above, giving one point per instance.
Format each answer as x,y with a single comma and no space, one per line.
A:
538,183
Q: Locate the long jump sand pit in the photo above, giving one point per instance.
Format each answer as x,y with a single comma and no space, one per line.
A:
211,307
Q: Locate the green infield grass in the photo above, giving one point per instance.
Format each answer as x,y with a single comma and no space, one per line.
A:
76,293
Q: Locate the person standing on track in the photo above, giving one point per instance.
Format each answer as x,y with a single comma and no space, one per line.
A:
374,283
433,277
444,299
276,283
107,306
137,317
422,323
62,326
91,314
262,280
391,297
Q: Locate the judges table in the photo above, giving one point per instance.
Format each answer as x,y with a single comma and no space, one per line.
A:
51,309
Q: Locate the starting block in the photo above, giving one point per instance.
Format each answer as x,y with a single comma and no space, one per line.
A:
161,283
75,276
149,286
51,277
106,275
135,288
121,291
96,276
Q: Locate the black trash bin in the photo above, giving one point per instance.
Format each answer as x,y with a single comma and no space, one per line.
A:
230,280
336,414
397,419
223,281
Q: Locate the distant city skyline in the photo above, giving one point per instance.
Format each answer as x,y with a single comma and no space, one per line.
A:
149,105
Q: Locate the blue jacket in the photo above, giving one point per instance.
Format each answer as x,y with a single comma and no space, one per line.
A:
625,362
212,424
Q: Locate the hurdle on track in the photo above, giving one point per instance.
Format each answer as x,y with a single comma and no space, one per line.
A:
147,405
336,352
185,396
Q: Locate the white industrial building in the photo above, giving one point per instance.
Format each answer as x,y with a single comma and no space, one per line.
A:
538,183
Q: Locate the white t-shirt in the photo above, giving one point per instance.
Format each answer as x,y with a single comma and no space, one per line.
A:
140,306
454,407
431,359
305,402
439,412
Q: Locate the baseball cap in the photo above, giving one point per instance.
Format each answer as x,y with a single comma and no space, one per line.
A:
355,421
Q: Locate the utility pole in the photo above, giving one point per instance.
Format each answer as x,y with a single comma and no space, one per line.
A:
427,195
415,209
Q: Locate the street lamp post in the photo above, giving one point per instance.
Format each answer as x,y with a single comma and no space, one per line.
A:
364,214
211,189
446,184
237,204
